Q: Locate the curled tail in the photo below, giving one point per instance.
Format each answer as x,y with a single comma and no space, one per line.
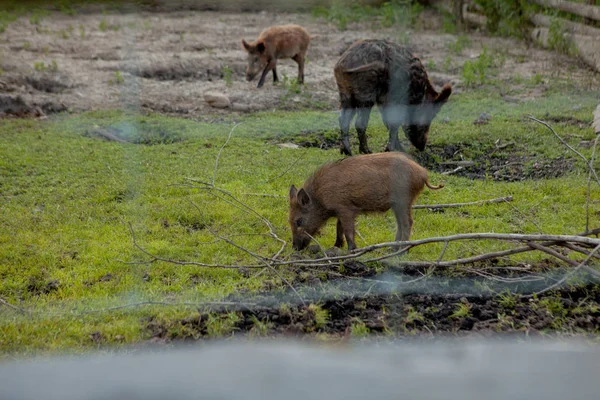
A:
441,185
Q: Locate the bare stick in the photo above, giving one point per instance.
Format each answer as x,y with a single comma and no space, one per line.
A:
155,258
553,253
452,171
589,186
7,304
525,217
260,258
591,168
288,168
219,154
472,203
567,275
579,249
248,209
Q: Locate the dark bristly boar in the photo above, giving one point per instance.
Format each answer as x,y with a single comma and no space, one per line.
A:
354,185
381,72
285,41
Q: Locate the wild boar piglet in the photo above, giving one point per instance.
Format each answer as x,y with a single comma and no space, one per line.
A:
361,184
276,42
381,72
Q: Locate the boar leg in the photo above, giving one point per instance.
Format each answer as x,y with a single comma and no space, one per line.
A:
392,124
362,121
339,239
345,118
271,65
403,220
299,58
347,223
275,77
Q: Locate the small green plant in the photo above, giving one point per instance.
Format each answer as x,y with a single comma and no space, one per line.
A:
359,329
448,23
507,299
64,34
537,79
341,13
412,316
317,316
560,40
35,19
448,63
26,46
506,18
82,31
67,9
117,79
259,328
461,43
39,66
291,84
227,75
504,320
463,311
476,72
103,26
431,66
221,325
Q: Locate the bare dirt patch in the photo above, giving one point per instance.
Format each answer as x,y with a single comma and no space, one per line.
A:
353,303
167,60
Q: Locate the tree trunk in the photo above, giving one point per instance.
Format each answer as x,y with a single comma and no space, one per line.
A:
583,10
572,27
587,47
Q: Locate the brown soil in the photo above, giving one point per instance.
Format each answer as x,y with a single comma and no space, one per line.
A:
360,297
165,61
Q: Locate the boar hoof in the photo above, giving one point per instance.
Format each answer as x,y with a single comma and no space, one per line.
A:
364,150
345,147
393,147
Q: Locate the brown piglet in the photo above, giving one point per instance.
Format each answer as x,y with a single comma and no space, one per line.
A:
276,42
354,185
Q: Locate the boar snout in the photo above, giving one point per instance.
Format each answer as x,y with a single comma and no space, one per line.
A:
300,243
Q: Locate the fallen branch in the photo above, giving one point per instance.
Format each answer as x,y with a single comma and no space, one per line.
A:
472,203
583,10
567,275
7,304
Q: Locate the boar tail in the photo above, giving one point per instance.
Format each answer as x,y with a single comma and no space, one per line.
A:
441,185
374,66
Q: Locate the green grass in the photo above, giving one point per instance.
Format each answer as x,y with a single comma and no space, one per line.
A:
68,197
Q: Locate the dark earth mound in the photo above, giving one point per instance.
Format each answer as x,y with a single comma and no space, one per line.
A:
343,301
490,163
15,106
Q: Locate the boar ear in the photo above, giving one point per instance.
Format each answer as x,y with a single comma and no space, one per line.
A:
444,94
260,47
293,192
303,198
246,45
